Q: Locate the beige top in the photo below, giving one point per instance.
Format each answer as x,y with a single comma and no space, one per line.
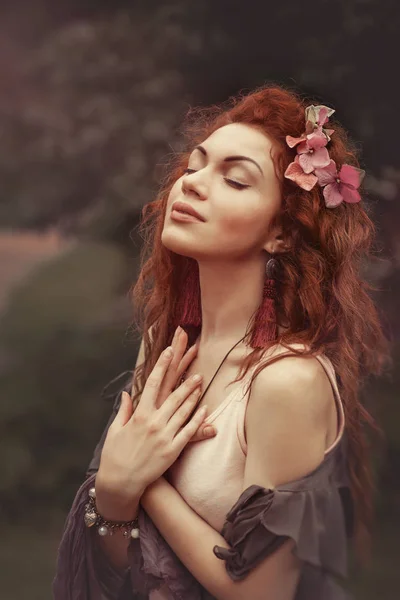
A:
209,474
316,511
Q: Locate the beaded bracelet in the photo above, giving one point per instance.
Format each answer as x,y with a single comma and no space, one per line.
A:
104,527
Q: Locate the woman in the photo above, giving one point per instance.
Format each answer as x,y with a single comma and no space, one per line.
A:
252,258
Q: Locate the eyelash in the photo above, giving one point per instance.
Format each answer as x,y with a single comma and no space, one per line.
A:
235,184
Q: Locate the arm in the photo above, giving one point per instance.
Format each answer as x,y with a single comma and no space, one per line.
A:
115,547
288,410
88,565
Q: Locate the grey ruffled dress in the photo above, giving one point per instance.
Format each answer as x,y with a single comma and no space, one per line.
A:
314,511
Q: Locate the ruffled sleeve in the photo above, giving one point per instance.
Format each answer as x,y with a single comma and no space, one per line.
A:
314,511
154,565
83,571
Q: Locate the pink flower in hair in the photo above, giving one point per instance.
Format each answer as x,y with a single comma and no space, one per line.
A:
295,173
316,117
313,164
342,186
292,141
312,153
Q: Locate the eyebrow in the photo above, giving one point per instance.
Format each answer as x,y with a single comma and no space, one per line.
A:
232,158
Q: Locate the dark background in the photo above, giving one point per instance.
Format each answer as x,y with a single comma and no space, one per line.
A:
92,96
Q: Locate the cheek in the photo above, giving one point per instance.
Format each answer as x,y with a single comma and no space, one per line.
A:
249,220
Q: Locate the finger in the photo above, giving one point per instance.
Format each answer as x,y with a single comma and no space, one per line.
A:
178,366
204,432
182,357
179,343
175,374
186,360
180,403
153,383
125,410
184,436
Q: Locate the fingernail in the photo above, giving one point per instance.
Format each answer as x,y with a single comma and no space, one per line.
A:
209,431
179,331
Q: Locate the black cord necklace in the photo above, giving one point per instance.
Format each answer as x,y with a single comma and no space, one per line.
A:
213,377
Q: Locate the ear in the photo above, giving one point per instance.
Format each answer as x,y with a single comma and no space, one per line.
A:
276,243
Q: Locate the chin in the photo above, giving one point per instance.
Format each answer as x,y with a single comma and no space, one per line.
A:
171,240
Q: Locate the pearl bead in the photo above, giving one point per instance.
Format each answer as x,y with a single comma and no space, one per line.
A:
92,493
102,530
135,533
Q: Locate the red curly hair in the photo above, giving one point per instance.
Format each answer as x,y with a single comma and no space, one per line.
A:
322,298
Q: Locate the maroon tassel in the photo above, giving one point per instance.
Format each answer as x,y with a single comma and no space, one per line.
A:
189,305
188,311
265,327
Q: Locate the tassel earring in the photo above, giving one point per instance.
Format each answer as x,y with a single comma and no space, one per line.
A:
189,306
265,326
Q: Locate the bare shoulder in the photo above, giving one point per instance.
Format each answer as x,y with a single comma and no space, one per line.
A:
287,420
295,383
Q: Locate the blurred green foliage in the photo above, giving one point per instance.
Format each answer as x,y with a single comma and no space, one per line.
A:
63,332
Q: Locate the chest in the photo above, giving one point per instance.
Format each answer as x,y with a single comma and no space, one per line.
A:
215,386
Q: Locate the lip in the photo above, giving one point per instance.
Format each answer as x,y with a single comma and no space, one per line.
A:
183,217
181,208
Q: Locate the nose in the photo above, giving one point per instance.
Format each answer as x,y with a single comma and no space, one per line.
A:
191,183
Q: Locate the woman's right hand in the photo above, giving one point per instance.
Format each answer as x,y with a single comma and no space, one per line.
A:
140,445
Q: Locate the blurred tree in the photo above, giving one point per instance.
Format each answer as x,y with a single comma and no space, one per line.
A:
64,335
99,106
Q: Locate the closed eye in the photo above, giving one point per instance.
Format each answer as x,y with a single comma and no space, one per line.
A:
231,182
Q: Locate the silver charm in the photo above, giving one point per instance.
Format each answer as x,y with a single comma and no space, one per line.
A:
90,519
102,530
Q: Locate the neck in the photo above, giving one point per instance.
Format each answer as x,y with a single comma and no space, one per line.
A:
230,294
